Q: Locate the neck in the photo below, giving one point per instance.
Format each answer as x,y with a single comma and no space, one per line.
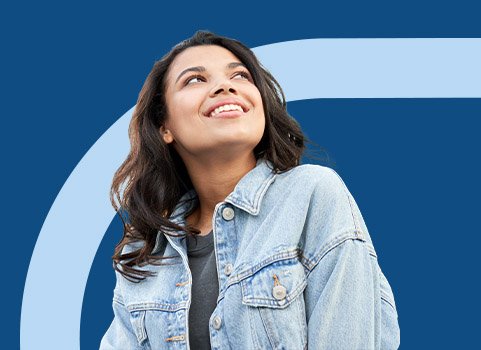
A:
214,181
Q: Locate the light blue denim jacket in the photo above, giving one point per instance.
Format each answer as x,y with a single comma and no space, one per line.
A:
296,269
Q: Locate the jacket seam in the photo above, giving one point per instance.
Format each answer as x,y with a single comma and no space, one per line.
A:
253,208
118,301
156,306
285,255
346,192
252,270
310,264
387,299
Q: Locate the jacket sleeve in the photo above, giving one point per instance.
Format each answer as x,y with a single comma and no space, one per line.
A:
349,304
120,334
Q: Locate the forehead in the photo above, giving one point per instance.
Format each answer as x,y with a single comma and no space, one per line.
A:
205,55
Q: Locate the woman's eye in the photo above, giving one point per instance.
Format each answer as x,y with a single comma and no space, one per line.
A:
194,79
243,75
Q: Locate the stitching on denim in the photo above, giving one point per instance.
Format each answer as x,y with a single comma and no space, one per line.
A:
262,190
269,302
302,320
118,299
141,329
349,199
371,251
326,248
310,263
253,208
156,306
299,285
385,295
387,299
267,329
250,315
285,255
292,295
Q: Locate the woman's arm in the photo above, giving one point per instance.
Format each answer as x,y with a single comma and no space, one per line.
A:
348,304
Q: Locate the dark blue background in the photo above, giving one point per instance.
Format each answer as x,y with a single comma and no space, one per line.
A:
70,70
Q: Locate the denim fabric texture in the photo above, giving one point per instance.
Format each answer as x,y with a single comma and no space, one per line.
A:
296,268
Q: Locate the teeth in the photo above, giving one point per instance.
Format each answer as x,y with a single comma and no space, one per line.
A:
226,108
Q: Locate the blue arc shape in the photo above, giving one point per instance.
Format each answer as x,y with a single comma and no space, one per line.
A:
306,69
375,68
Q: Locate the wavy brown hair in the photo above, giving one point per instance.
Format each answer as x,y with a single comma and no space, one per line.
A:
150,182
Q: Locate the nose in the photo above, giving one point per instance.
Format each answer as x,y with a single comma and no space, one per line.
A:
223,87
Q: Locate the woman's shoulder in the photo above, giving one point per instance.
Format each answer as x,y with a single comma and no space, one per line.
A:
310,171
316,178
331,213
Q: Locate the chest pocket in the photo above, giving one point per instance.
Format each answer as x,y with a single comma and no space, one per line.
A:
276,305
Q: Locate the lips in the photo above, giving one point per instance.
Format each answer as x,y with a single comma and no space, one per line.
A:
230,101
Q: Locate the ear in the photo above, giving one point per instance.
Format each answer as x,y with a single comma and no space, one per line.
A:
166,134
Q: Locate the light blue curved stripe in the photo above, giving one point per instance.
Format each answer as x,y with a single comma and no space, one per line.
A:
306,69
67,244
375,68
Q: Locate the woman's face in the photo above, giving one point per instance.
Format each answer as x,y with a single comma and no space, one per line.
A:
213,107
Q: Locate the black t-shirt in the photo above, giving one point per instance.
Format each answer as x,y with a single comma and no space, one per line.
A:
205,288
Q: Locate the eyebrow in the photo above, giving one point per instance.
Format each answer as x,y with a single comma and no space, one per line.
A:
199,69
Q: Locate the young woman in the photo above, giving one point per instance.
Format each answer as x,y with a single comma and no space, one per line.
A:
230,243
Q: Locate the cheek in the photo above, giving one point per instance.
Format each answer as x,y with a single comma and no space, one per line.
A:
257,99
184,106
260,106
184,119
260,118
183,114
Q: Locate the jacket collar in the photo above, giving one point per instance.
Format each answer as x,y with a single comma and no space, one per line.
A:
251,188
247,194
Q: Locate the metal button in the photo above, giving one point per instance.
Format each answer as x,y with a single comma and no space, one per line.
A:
228,269
216,322
279,292
228,213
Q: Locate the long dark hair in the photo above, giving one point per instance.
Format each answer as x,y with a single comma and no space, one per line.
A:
150,182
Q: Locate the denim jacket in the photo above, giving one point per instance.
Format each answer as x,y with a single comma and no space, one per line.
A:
296,268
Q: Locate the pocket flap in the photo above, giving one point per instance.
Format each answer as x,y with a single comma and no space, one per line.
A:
275,285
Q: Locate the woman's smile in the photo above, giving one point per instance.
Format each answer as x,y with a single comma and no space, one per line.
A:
226,107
